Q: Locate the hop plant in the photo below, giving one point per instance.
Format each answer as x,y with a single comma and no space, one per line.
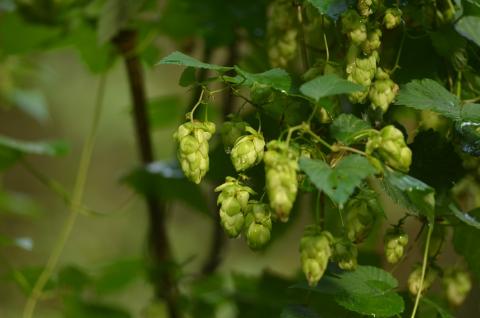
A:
392,18
315,252
373,41
415,278
261,94
345,254
281,33
457,285
390,146
192,138
281,177
395,242
233,201
231,131
258,224
383,91
354,27
248,150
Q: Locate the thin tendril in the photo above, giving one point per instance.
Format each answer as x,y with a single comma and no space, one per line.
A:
75,206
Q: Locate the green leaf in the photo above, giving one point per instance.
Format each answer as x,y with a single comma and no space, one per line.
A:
469,27
466,218
76,308
188,77
346,126
166,180
465,241
444,313
118,275
339,182
178,58
427,94
298,311
275,78
471,112
328,85
164,111
26,37
468,137
115,16
368,290
332,8
46,148
410,193
73,277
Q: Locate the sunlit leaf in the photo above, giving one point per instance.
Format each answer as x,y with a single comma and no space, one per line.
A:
328,85
178,58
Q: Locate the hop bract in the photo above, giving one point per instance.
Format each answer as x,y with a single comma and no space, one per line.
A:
258,224
233,201
392,18
345,254
248,150
383,91
372,43
361,213
282,33
192,138
354,27
457,285
395,243
231,131
281,178
390,146
315,252
415,277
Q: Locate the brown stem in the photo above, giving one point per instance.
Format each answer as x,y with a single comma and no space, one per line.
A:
164,283
218,240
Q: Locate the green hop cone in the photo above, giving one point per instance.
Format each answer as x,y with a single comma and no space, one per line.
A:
233,201
354,26
258,224
383,91
282,33
392,18
281,168
315,252
390,146
192,138
359,220
361,70
415,278
366,7
345,254
457,284
248,150
395,242
373,41
231,131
